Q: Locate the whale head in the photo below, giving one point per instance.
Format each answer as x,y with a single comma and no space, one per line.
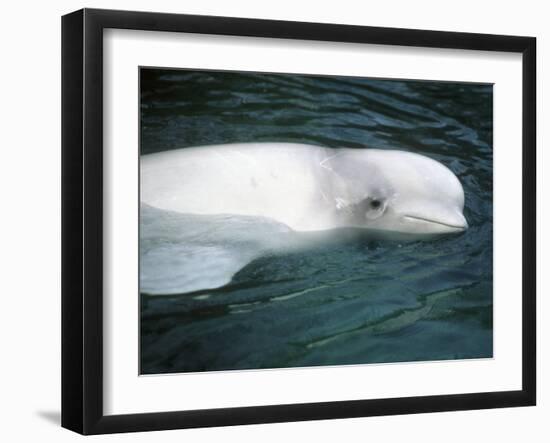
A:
397,191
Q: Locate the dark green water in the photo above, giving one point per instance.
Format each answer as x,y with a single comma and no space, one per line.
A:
350,302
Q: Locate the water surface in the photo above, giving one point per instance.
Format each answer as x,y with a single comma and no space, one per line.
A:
353,301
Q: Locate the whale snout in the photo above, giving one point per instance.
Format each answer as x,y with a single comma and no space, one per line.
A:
429,224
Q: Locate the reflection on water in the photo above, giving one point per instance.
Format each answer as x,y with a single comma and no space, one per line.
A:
353,301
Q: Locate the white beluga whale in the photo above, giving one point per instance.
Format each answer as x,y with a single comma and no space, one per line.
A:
208,211
308,187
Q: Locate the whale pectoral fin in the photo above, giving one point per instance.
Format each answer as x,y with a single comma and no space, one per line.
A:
177,268
182,253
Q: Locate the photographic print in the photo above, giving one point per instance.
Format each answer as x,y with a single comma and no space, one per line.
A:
291,220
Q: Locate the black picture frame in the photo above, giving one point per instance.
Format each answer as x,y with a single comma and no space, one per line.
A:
82,219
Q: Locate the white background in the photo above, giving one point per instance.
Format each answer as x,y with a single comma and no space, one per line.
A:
30,247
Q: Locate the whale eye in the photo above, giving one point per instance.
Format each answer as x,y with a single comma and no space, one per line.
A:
374,208
375,204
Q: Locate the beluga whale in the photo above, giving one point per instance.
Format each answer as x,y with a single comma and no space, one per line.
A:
208,211
308,187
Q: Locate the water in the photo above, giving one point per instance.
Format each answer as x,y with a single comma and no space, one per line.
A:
352,301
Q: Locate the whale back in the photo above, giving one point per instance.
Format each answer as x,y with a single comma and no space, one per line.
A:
278,181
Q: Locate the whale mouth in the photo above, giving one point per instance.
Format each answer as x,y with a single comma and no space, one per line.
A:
460,225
